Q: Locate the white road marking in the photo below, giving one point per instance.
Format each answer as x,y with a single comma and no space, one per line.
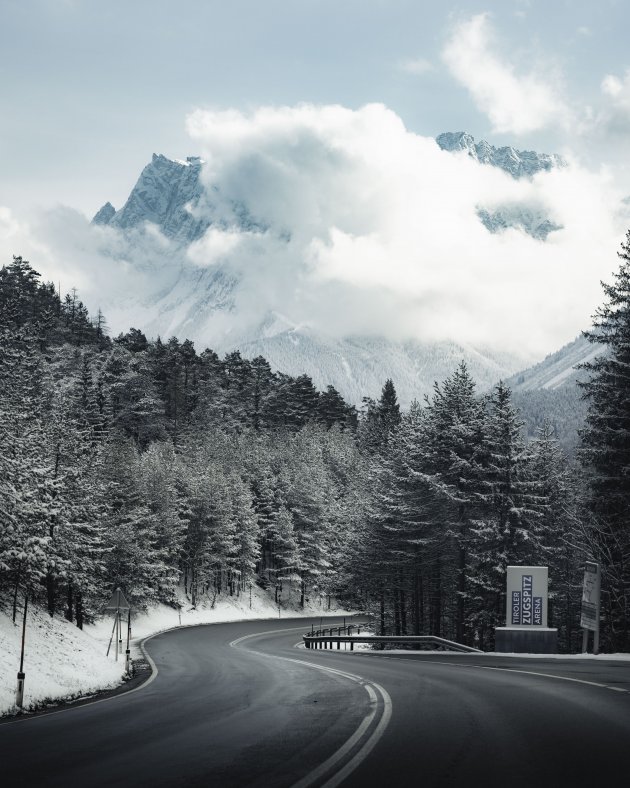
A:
504,670
234,643
553,676
153,666
372,688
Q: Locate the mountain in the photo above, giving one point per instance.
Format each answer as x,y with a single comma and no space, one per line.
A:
531,219
549,390
359,365
558,369
166,194
518,163
202,302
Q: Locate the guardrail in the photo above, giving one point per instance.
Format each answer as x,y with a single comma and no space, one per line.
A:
321,640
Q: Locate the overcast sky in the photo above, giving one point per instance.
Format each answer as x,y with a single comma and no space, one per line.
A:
89,90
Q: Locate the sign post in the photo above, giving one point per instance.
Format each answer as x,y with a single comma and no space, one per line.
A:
118,604
526,627
589,618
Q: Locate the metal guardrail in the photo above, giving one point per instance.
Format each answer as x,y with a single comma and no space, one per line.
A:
321,640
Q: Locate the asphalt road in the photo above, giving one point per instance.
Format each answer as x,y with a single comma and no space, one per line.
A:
237,705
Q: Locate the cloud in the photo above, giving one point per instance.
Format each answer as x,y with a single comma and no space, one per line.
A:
515,104
365,225
417,66
614,116
346,221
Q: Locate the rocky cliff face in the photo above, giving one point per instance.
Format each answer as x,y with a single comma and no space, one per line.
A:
518,163
166,194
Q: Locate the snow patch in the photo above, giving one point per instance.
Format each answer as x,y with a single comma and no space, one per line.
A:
61,662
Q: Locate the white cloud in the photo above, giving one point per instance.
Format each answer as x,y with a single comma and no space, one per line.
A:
369,225
215,246
614,116
417,66
612,86
345,220
514,103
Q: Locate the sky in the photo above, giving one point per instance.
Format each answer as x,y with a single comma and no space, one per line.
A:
89,90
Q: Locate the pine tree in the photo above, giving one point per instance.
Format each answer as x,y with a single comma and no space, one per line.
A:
453,435
556,534
605,450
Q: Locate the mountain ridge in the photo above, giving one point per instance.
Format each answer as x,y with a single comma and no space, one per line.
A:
171,194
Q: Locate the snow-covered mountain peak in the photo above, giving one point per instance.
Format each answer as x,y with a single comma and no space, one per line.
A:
216,293
164,194
105,214
518,163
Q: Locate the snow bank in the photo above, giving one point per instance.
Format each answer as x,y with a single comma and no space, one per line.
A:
60,661
160,618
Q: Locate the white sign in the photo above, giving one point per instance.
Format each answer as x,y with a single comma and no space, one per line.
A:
526,596
590,597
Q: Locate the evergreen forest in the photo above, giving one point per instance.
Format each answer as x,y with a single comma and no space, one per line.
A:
153,466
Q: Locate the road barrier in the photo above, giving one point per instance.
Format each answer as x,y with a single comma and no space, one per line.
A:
324,639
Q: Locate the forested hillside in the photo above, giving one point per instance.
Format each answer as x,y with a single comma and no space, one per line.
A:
150,465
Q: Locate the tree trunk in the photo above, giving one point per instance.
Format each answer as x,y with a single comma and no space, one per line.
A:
436,593
403,613
460,636
50,592
79,610
382,612
69,603
396,614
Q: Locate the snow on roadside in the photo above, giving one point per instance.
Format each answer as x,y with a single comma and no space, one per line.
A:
160,618
63,663
60,661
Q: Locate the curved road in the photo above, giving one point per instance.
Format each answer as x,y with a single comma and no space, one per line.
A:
238,705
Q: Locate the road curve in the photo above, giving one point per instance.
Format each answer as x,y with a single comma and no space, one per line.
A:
237,705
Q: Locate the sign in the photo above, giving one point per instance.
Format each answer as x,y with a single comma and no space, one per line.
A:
589,618
118,601
526,596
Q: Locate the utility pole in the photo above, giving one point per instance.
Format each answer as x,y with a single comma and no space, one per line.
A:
19,695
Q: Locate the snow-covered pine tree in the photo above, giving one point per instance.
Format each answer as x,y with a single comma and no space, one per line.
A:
556,536
502,530
605,451
452,438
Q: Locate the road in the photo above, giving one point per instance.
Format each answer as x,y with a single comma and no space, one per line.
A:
238,705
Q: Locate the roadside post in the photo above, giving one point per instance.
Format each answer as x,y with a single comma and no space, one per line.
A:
589,617
118,604
19,695
128,651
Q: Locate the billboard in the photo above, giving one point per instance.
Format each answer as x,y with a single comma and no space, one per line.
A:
589,618
526,596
